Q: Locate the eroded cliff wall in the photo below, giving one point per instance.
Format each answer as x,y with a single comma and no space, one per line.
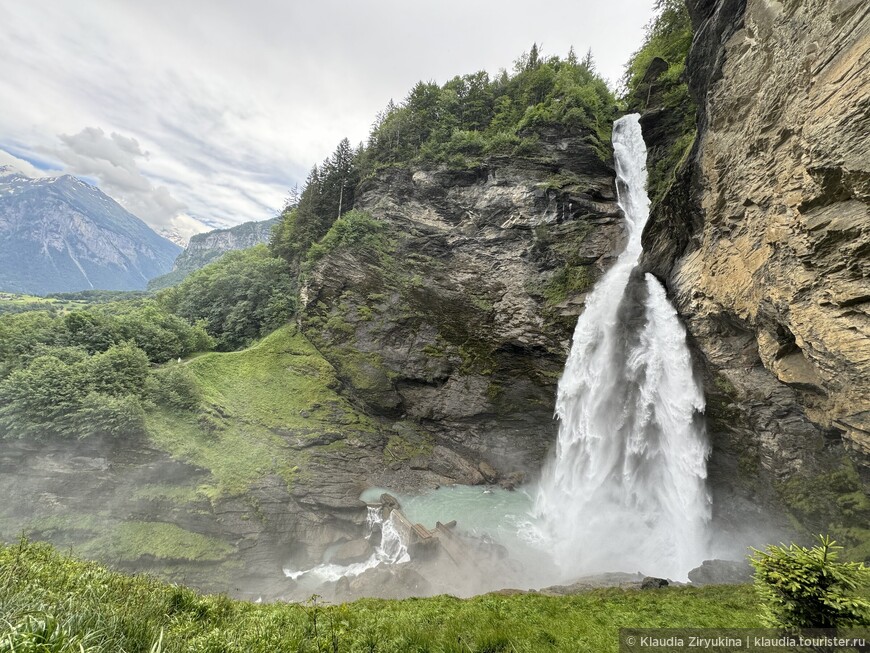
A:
457,316
764,241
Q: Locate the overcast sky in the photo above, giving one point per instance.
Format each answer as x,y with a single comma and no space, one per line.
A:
212,110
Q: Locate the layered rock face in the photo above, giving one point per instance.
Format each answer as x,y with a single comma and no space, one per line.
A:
457,324
204,248
764,237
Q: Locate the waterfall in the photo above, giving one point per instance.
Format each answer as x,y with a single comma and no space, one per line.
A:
626,490
392,550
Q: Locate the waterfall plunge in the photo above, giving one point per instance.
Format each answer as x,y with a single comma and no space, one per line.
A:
626,491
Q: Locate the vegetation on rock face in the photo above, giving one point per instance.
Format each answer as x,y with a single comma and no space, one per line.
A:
55,604
455,125
833,501
808,588
655,81
352,229
668,38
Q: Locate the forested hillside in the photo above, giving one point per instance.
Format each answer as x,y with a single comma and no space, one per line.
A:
457,125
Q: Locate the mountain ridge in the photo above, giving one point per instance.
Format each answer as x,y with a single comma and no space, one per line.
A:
60,234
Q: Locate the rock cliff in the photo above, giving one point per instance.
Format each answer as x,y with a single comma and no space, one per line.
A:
458,319
763,239
63,235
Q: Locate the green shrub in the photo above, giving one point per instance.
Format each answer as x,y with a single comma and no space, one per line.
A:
808,588
239,298
353,229
174,386
115,417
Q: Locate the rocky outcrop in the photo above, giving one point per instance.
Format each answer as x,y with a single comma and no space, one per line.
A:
763,239
721,572
456,318
137,509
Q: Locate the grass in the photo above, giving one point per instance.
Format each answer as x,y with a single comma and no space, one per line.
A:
236,454
131,540
16,303
254,400
55,604
105,537
282,381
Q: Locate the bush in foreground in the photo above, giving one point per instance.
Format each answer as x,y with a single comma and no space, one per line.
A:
808,588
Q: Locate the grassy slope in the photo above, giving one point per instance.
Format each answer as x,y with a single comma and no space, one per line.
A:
254,399
46,595
256,403
16,303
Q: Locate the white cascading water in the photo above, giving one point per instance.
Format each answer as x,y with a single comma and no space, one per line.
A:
626,490
392,550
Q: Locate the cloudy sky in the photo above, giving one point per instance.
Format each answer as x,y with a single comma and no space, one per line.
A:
209,111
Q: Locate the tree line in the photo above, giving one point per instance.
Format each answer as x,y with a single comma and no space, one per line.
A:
455,124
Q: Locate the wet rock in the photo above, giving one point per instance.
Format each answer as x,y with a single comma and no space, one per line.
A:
586,583
352,552
762,240
458,335
512,481
652,583
390,502
721,572
419,463
489,474
452,465
397,582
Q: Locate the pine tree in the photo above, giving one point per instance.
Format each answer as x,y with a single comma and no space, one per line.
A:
588,62
572,57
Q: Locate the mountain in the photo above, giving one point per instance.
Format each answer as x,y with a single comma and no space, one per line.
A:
59,234
433,320
174,236
206,248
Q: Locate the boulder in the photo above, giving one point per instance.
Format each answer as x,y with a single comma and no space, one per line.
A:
489,473
721,572
352,552
652,583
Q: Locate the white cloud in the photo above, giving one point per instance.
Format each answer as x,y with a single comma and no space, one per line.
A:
227,105
114,161
25,167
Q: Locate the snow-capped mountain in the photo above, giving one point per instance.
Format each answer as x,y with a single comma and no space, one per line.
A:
174,236
59,234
